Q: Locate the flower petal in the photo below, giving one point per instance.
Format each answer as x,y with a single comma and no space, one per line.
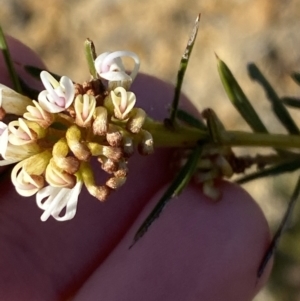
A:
3,138
24,183
13,102
58,200
69,90
110,67
58,96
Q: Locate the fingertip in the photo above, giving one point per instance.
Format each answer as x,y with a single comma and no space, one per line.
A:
195,250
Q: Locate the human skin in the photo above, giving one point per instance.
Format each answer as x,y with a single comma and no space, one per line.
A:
196,250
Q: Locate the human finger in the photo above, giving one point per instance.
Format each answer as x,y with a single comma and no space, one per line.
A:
195,250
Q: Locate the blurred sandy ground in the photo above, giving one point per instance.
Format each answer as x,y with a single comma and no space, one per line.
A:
239,31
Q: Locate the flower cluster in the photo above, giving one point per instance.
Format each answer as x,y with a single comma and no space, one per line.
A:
55,138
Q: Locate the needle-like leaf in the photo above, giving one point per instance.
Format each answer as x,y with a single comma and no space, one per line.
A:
176,187
278,169
182,68
239,99
283,225
278,107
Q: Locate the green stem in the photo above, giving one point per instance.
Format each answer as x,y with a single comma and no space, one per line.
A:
187,137
181,137
237,138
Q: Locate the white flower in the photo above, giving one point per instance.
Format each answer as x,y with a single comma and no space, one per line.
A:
25,184
110,67
57,200
57,177
20,133
4,147
123,102
84,106
13,102
58,96
37,114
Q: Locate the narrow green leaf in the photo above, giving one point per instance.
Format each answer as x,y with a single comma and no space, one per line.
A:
36,71
9,63
182,68
278,169
293,102
283,225
176,187
279,109
239,99
190,120
214,125
90,54
296,77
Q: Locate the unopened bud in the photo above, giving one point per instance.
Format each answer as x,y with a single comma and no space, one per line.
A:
136,120
100,122
115,182
113,153
128,147
60,151
57,177
99,192
108,165
122,170
80,150
114,136
84,106
145,146
69,164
